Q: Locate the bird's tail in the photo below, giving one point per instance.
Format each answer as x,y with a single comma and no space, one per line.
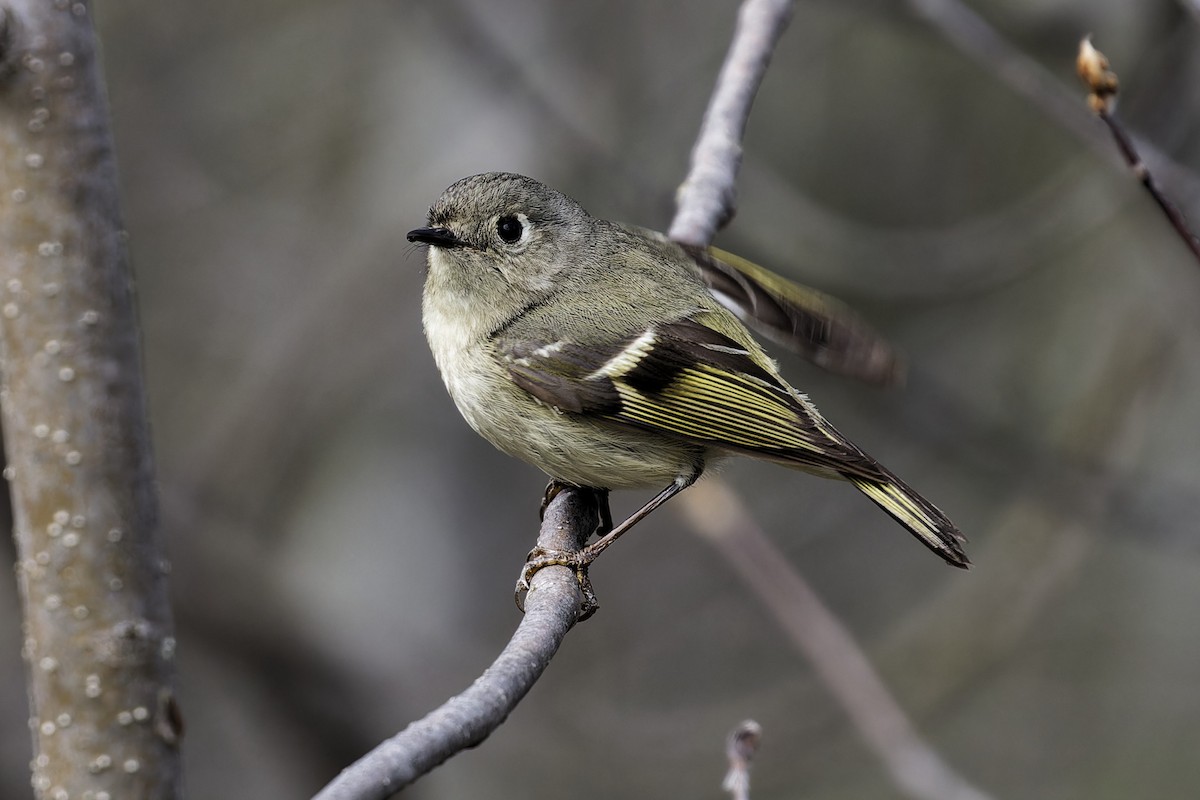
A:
914,512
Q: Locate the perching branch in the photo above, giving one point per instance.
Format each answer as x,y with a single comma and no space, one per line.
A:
706,198
1094,71
99,643
551,608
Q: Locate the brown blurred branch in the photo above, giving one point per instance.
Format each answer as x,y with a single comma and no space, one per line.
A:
1194,7
1094,71
705,200
718,515
98,633
551,608
1038,544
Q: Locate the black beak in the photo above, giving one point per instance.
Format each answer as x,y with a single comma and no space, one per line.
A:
438,237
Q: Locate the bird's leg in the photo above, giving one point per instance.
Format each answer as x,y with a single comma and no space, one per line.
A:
605,511
552,489
540,558
593,551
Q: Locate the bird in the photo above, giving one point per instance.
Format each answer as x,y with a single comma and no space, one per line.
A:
611,357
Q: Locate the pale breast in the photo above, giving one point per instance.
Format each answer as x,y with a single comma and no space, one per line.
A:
565,446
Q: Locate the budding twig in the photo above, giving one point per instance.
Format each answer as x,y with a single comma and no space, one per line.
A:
1102,83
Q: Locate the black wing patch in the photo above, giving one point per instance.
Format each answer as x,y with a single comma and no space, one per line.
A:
557,374
580,378
684,379
687,343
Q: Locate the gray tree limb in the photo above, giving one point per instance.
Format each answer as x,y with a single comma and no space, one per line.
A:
705,200
98,635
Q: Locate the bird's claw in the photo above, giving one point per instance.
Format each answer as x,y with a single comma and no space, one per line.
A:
539,558
553,489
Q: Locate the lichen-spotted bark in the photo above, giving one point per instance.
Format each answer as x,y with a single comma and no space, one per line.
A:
98,638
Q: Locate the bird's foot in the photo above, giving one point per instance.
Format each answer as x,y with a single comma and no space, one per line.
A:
539,558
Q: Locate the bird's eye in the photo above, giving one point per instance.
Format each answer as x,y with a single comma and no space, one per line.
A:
509,228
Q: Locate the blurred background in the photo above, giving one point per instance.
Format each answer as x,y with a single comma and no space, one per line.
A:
344,547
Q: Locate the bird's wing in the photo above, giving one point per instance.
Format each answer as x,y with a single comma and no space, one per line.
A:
810,323
686,379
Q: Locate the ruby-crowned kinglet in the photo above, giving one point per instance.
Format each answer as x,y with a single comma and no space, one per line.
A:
603,354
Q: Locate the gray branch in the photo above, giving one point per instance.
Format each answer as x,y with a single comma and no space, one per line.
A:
551,608
98,641
706,198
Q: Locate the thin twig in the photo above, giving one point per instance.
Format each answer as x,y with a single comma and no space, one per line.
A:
705,200
1094,71
463,721
740,747
717,514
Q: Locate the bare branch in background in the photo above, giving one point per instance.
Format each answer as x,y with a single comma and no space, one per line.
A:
719,516
705,203
99,641
1192,6
1094,71
705,200
463,721
982,43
